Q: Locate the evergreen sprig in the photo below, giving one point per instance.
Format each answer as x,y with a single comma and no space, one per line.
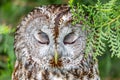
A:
102,23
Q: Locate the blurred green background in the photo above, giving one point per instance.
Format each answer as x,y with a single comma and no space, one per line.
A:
11,13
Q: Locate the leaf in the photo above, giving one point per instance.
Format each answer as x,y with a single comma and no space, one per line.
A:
4,29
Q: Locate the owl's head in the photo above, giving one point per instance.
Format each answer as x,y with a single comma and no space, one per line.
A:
47,37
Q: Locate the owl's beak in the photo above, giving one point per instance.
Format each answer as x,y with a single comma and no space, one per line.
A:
56,57
55,61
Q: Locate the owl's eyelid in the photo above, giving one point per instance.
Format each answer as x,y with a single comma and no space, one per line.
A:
39,32
43,42
71,34
41,39
69,42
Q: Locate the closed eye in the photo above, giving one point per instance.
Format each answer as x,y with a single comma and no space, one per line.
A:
42,37
70,38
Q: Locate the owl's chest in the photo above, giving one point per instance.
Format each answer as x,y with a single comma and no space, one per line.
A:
65,76
37,74
45,75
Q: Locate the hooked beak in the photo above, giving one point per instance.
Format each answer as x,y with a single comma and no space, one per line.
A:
56,57
56,62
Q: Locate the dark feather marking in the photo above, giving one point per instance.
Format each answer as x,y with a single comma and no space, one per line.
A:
57,20
45,75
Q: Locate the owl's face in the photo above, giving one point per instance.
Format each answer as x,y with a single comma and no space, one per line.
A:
50,40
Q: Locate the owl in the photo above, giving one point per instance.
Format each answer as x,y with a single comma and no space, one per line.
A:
49,47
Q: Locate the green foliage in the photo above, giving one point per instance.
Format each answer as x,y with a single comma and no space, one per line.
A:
102,22
6,49
4,29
